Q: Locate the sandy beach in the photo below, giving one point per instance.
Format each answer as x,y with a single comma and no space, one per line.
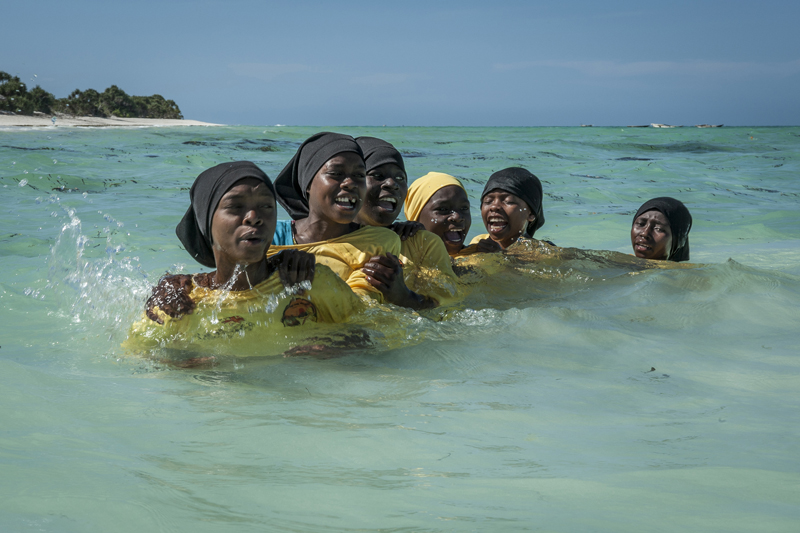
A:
40,121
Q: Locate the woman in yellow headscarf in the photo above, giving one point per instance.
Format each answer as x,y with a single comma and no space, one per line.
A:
440,203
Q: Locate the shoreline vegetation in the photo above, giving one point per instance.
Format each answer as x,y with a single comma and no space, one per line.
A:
112,107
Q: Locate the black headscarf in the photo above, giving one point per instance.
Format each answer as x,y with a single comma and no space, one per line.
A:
194,229
378,152
523,184
680,222
293,181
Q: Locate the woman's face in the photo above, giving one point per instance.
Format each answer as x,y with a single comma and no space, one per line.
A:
243,223
338,188
505,216
386,191
651,235
447,215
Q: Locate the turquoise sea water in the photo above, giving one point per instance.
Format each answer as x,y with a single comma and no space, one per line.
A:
535,409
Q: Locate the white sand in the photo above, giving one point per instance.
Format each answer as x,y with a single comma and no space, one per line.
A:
70,121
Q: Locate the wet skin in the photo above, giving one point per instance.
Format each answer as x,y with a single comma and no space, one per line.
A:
447,215
334,197
651,235
242,227
386,189
505,216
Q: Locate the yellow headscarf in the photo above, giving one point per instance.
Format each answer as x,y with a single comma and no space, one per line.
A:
423,188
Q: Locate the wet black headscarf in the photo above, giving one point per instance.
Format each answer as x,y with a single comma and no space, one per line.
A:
680,222
293,181
523,184
194,229
378,152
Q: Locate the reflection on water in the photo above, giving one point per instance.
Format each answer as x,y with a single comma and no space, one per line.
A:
572,386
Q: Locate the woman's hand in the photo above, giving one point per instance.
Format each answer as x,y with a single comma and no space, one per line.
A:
406,229
385,273
171,295
488,246
294,266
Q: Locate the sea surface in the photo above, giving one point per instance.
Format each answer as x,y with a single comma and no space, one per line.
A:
577,395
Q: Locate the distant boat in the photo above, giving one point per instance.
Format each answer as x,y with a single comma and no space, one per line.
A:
664,126
642,126
586,125
708,126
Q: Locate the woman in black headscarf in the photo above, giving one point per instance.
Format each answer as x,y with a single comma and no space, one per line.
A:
423,276
511,206
322,188
241,307
660,230
228,226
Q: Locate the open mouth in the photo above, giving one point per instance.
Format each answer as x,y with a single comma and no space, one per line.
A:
496,224
346,202
454,236
387,203
252,239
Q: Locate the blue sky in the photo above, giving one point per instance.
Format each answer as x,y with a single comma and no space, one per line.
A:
427,63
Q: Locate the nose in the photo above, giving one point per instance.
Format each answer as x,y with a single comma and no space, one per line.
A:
390,184
348,183
252,218
455,216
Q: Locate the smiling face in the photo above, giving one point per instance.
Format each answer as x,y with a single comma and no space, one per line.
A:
338,187
447,215
505,216
651,235
387,186
243,224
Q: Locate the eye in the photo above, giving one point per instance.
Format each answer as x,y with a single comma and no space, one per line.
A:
401,177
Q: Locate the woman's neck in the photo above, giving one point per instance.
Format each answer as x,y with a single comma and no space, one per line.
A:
239,277
315,229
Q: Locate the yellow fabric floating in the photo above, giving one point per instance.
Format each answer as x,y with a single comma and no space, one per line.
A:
427,268
265,320
346,255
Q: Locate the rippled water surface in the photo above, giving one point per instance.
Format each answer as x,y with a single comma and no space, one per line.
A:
570,394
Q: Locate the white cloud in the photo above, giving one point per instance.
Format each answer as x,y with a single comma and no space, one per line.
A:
646,68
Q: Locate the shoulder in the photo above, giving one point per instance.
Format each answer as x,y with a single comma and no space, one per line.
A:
479,238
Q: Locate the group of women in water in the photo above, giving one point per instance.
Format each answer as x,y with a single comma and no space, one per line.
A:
343,247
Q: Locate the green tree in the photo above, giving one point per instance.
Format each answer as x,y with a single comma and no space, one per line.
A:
81,103
14,95
41,100
115,101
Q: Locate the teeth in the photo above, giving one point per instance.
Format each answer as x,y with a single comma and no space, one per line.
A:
347,200
389,199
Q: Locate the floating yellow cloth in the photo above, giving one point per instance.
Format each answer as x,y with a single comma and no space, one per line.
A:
264,320
427,268
423,188
346,255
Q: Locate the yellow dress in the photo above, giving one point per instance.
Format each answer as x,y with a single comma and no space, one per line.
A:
427,268
265,320
346,255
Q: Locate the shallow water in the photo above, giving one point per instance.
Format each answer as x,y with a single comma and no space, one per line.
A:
578,395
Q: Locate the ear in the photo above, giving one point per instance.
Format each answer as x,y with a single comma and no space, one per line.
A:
531,217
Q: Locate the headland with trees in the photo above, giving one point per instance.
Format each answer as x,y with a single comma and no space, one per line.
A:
15,98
